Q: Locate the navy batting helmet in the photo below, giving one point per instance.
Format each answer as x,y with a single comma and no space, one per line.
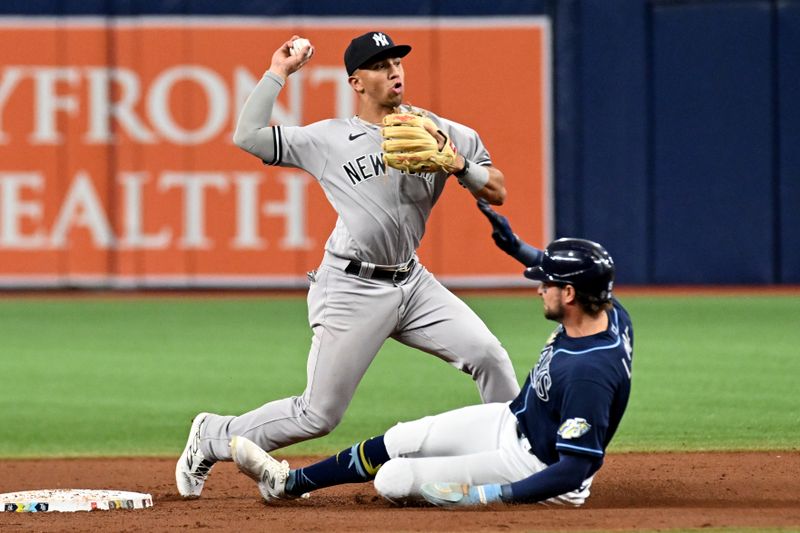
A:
583,264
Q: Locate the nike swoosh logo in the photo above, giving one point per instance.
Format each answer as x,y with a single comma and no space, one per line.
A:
354,136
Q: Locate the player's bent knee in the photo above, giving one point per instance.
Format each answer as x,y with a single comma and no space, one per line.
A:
406,438
490,354
323,426
322,422
395,480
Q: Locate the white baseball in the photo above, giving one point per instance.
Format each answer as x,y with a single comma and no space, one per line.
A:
299,44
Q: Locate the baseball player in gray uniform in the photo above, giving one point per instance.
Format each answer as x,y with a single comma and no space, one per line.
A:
370,285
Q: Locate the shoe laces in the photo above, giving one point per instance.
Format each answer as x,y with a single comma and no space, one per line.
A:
199,466
280,470
202,469
283,473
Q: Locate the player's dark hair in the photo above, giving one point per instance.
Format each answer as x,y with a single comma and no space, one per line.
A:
590,303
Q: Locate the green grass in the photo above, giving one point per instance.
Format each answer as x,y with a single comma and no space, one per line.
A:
714,373
125,376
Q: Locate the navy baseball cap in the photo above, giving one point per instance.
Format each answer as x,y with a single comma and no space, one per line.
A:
371,46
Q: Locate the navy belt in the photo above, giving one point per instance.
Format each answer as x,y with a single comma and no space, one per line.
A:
356,268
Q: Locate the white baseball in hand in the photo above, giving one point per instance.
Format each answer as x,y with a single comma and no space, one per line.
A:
300,45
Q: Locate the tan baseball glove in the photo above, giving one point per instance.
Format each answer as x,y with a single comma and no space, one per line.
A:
410,144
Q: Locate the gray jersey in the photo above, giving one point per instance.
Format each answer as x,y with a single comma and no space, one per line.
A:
382,211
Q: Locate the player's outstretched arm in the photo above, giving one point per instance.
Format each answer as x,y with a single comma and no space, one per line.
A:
566,475
253,133
559,478
505,238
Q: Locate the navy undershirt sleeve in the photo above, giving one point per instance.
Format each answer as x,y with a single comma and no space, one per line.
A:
527,254
559,478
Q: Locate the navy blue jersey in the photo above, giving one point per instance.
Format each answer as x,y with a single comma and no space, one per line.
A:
574,398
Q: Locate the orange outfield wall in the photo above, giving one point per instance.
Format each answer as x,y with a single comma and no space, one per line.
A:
117,167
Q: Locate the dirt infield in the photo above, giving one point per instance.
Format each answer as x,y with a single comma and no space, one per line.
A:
632,491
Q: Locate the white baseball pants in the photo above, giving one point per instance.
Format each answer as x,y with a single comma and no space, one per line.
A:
474,445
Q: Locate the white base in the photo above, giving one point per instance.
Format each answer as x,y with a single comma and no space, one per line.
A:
71,500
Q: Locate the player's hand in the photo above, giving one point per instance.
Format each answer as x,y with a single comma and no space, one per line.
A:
459,495
284,63
503,236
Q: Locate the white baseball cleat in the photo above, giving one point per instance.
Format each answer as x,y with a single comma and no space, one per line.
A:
269,473
192,468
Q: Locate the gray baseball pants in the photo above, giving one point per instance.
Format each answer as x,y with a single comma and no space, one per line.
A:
351,317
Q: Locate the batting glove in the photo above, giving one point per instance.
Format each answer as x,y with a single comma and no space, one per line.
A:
459,495
502,234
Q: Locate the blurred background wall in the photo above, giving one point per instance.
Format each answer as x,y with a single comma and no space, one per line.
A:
675,124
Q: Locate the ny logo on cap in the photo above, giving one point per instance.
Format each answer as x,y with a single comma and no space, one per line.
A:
380,39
